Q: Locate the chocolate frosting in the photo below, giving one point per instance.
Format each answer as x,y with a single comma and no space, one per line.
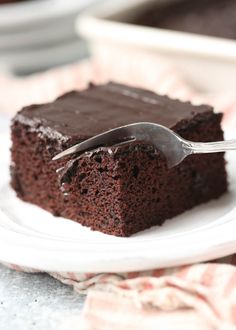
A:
99,108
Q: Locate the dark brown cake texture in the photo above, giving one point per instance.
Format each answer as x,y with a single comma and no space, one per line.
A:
116,190
208,17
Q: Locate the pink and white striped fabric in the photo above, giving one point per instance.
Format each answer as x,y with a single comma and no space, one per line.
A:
201,296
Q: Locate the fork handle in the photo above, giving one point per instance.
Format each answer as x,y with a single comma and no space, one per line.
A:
210,147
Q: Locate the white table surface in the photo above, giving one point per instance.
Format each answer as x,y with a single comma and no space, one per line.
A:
34,301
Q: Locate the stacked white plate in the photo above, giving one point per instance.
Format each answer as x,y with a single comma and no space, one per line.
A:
37,34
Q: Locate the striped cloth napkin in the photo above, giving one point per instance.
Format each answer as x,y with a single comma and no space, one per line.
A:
200,296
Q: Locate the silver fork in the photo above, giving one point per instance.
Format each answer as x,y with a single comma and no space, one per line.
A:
174,147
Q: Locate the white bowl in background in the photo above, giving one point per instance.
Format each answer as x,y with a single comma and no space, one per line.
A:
209,63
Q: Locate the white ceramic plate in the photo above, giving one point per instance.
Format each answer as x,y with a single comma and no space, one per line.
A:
38,36
53,22
23,15
32,237
30,60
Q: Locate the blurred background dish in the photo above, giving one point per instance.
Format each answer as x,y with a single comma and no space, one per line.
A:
207,62
39,34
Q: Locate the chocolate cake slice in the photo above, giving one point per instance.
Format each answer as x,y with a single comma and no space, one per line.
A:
115,190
